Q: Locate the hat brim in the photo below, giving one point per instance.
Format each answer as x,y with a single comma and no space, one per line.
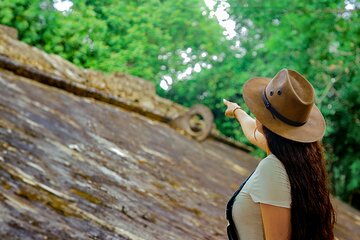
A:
313,130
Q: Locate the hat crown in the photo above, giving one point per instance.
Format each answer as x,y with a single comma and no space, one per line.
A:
291,95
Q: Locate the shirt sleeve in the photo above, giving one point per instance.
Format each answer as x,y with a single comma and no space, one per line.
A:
270,184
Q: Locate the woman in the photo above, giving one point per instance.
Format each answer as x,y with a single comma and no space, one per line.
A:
286,197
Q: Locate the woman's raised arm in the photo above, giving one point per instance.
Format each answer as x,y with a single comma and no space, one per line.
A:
248,125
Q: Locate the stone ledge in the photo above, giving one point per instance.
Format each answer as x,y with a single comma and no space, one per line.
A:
123,90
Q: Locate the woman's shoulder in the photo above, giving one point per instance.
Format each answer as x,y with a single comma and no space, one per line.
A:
271,162
270,183
271,171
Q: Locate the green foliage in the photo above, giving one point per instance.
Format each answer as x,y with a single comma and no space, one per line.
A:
320,39
123,36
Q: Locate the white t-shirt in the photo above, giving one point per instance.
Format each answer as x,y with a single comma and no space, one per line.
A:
268,184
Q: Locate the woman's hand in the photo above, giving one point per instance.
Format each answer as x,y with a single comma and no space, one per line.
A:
231,107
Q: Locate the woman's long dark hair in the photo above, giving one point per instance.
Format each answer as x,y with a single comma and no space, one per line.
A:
312,214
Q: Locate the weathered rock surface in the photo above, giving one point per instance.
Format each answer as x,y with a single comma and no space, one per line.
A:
76,168
72,167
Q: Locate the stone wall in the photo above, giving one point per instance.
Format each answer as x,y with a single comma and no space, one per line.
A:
129,92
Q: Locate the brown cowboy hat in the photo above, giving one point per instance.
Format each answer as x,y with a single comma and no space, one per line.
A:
285,105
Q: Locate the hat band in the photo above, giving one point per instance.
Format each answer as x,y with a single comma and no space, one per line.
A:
277,114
